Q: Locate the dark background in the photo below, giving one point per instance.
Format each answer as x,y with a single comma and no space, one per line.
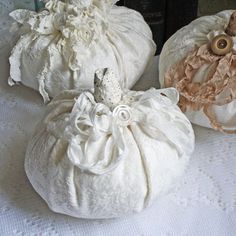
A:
165,17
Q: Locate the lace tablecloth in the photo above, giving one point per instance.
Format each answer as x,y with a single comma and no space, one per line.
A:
203,203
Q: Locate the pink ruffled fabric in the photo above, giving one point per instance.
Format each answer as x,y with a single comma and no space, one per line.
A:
218,87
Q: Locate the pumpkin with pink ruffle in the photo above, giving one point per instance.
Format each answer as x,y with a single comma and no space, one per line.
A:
199,60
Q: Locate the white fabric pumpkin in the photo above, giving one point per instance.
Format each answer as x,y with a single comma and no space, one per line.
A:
62,46
216,107
91,160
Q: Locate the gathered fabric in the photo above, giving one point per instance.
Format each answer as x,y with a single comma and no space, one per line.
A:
205,79
61,46
217,87
91,161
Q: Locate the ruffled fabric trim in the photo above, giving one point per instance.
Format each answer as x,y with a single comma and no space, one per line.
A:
74,27
218,88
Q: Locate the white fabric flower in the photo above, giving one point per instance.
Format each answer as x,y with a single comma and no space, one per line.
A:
122,115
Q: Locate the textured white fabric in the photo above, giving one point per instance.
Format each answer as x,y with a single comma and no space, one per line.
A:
202,204
89,160
198,32
61,47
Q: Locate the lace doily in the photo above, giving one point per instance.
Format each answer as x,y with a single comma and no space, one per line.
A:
203,203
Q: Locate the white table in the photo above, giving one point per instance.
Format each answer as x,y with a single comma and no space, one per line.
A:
203,203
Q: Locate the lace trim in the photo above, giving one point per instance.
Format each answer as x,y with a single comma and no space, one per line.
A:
217,88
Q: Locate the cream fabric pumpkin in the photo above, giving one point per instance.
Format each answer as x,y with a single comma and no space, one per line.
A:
91,160
206,81
62,46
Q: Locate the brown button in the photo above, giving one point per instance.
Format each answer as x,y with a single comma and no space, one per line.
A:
221,44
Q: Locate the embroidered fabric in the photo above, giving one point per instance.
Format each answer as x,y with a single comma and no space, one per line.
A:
203,203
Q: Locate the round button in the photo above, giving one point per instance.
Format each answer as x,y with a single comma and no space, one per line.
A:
221,44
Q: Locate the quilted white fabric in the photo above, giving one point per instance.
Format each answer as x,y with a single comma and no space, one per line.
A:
203,203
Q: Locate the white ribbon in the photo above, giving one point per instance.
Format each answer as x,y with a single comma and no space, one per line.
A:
94,122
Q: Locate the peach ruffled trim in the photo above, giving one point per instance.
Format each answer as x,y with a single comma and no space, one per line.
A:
217,88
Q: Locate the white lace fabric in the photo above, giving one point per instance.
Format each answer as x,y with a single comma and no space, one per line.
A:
203,203
62,46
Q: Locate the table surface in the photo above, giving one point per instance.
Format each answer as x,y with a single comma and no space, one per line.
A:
203,203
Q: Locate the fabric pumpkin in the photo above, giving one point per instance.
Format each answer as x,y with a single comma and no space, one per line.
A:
197,63
62,46
91,160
